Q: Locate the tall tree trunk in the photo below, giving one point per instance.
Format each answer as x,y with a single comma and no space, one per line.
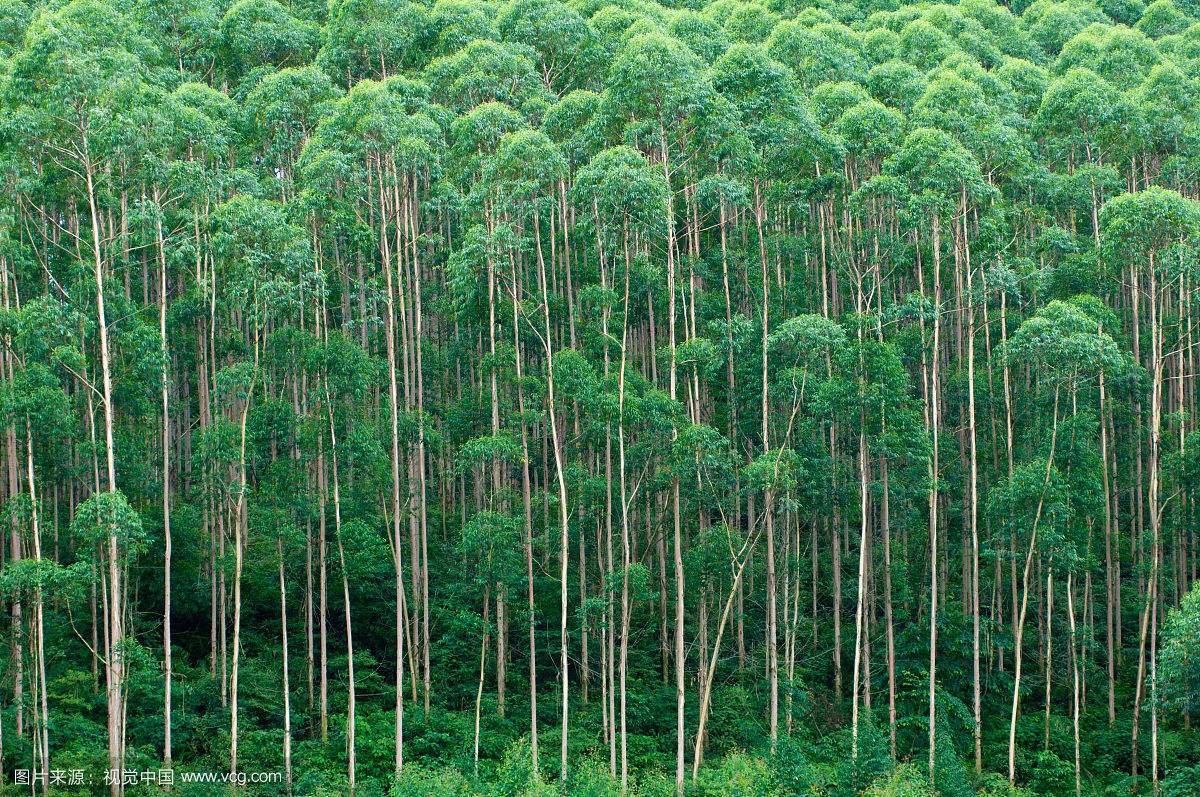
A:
116,666
974,501
626,553
563,515
166,490
862,578
39,623
1019,632
527,513
1075,665
680,661
351,746
769,498
239,548
934,422
287,686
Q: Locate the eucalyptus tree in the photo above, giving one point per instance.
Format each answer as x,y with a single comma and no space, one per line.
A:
873,394
86,63
528,166
753,83
657,85
374,39
803,347
626,198
842,305
377,149
35,402
344,372
942,177
1178,676
282,112
489,539
257,33
1152,231
265,261
565,45
1069,349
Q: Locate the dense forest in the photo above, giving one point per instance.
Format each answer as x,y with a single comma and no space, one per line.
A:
600,397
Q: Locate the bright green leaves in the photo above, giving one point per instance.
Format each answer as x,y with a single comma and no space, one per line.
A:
490,543
479,451
189,30
655,80
904,781
34,399
21,579
818,54
456,23
374,38
740,775
1051,23
924,45
896,84
566,46
391,120
869,130
937,171
1119,55
750,22
348,370
1065,344
805,342
705,37
1034,493
574,376
60,40
755,84
526,164
1081,106
283,109
778,470
268,259
77,83
624,194
703,460
1138,227
47,331
264,32
476,134
572,123
1166,99
1027,82
782,138
1163,18
14,17
486,71
1179,655
955,105
109,515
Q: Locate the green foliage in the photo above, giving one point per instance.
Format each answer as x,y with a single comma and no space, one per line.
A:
905,781
1178,654
108,519
525,317
418,781
739,775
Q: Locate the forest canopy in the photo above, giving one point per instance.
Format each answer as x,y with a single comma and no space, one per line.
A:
600,397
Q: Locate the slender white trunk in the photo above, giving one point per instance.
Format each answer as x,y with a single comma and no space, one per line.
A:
166,490
287,688
38,605
115,670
